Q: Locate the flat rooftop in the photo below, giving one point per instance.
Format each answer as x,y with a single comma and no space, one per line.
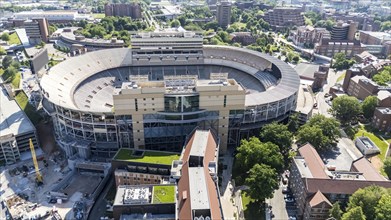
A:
145,194
380,35
198,189
152,157
13,120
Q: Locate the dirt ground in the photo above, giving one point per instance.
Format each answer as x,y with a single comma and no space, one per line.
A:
376,162
82,183
46,137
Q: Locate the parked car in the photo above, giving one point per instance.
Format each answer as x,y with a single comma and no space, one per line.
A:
289,199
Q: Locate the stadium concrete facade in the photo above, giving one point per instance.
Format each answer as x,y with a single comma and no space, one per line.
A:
156,93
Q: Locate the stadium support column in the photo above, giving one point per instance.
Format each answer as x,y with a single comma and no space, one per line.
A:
138,131
223,130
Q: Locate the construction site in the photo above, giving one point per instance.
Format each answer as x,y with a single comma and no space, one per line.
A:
51,188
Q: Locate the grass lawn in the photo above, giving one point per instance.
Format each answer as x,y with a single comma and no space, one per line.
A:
22,100
14,39
365,131
251,209
341,77
163,194
16,80
153,157
98,15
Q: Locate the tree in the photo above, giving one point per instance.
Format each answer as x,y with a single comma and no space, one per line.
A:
278,134
293,123
5,37
253,151
262,180
383,77
368,106
329,126
175,23
341,62
345,108
354,214
7,61
367,199
2,51
312,135
335,211
383,208
387,167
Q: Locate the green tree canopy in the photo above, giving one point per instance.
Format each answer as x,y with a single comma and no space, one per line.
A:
320,131
253,151
262,180
341,62
293,123
279,135
383,208
354,214
7,61
335,211
5,37
367,199
345,108
2,51
368,106
383,77
387,167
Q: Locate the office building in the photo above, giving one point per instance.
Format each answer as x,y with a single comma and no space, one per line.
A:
329,48
308,36
224,13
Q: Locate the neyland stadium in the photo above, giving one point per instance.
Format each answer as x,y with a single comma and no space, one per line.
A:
156,93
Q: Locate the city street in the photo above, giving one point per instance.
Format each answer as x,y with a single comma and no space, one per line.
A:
226,190
279,207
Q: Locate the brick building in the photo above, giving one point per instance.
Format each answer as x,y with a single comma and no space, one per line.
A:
328,47
132,10
282,17
308,35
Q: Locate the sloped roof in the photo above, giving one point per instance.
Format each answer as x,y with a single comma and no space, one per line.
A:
313,161
318,199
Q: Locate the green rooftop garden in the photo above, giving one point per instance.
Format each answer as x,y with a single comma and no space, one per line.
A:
163,194
153,157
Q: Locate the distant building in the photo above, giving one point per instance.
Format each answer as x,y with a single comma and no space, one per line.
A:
37,30
224,13
282,17
132,10
308,35
328,47
244,38
366,146
55,16
316,187
16,130
305,104
344,31
377,43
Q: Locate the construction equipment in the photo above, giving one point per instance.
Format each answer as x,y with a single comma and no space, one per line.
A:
38,179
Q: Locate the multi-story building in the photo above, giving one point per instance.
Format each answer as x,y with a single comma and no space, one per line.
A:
316,188
191,193
37,30
344,31
224,13
377,43
328,47
244,38
382,119
132,10
362,87
15,131
282,17
308,35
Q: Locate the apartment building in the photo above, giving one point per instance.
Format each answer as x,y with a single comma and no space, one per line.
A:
382,119
308,35
282,17
132,10
344,31
329,47
316,188
362,87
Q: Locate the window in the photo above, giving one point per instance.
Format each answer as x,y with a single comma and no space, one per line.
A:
135,105
225,100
